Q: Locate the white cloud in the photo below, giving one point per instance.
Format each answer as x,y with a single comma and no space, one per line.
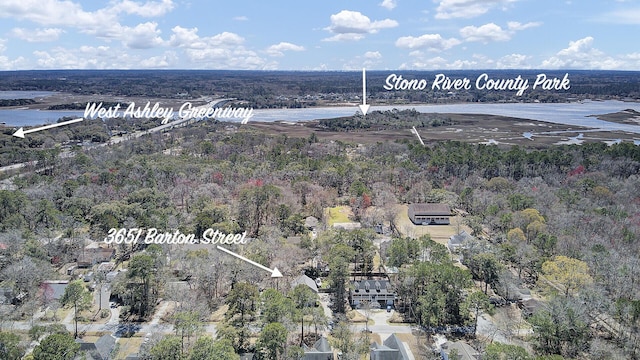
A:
372,55
166,60
8,64
485,33
513,61
425,64
279,49
492,32
147,9
579,47
221,51
102,23
626,16
581,54
189,39
345,37
55,13
142,36
448,9
388,4
99,57
37,35
516,26
241,18
353,25
85,57
432,42
3,47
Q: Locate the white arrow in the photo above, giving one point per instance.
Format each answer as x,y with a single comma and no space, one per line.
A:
364,107
274,273
413,130
20,132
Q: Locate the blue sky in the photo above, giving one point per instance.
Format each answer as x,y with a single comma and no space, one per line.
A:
320,35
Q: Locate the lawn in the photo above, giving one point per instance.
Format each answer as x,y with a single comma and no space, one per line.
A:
338,214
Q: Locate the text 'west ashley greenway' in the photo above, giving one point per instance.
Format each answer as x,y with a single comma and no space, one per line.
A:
186,111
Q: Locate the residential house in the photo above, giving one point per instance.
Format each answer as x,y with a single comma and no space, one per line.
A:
429,214
100,350
311,223
391,349
321,350
53,289
372,292
464,351
305,280
457,241
93,254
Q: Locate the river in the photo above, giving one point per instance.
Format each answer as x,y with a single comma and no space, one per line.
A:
576,113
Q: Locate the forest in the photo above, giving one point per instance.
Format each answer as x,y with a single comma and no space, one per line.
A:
295,89
563,221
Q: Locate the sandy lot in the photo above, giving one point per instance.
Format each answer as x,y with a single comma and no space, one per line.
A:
439,233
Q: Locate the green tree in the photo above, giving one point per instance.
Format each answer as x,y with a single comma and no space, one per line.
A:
272,340
436,288
303,298
56,347
143,268
561,328
339,257
38,331
571,274
10,348
361,241
234,335
477,302
11,205
431,307
169,348
77,296
208,218
275,306
256,204
186,323
344,340
485,267
206,348
242,301
499,351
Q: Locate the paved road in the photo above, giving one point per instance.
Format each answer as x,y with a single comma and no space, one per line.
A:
114,325
381,325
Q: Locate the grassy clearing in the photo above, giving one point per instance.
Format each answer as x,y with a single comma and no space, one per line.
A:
128,346
218,315
338,214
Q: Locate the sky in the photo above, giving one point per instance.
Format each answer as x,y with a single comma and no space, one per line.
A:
320,35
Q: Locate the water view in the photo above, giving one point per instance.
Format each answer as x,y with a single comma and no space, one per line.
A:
577,113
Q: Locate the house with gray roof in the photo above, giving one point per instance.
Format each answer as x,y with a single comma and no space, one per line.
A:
391,349
371,291
457,241
305,280
53,289
429,214
464,351
321,350
99,350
